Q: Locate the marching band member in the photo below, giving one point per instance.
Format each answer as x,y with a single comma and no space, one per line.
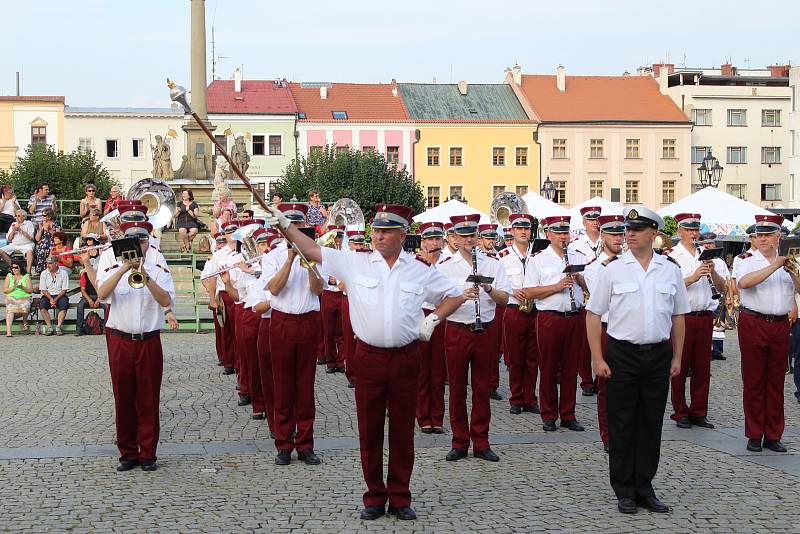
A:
644,295
294,335
266,240
450,240
520,324
508,236
767,293
355,241
559,328
239,279
468,347
330,311
699,325
487,234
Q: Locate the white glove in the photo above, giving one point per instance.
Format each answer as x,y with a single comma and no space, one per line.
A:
276,218
427,326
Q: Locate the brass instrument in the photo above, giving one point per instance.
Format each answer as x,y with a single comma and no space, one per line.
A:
222,315
138,278
572,306
502,207
158,197
346,212
328,239
790,248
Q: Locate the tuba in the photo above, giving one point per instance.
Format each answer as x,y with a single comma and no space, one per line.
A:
503,206
159,199
345,212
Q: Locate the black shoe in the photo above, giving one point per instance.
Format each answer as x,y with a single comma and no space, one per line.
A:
626,505
426,430
238,387
259,416
652,503
149,465
455,454
127,465
220,364
588,392
683,422
351,384
78,333
549,426
321,362
437,430
330,370
573,425
372,512
533,408
271,434
486,454
244,400
516,410
340,370
228,371
754,445
283,458
720,357
774,445
494,395
406,513
701,421
605,447
308,457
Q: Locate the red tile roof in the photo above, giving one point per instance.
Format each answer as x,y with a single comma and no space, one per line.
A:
363,102
600,99
32,99
256,96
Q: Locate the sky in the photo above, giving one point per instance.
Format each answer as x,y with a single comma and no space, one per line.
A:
119,53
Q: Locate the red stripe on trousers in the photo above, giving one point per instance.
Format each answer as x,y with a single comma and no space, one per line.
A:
331,312
560,341
430,383
697,356
348,341
249,324
265,371
523,356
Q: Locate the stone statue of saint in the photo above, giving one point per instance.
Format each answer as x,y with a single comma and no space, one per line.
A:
208,164
221,176
183,171
162,160
239,154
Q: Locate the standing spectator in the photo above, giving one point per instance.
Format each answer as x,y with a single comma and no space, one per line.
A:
317,214
8,207
186,215
93,225
53,284
44,239
224,202
113,201
20,239
18,297
40,201
60,246
277,198
89,297
90,201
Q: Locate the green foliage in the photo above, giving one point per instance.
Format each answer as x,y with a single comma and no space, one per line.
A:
670,226
365,177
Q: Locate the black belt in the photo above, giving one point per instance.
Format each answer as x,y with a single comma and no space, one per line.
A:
645,347
766,317
516,307
469,326
703,313
132,337
561,314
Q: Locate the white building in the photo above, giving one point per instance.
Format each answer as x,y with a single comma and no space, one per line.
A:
794,134
742,116
122,138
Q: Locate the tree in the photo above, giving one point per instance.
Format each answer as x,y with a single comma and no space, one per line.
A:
365,177
670,226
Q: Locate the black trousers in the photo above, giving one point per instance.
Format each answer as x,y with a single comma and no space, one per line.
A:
636,397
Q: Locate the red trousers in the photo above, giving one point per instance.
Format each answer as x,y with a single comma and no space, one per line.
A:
265,371
496,331
243,370
560,342
136,370
331,312
292,343
585,358
465,349
600,384
523,356
432,371
348,341
249,324
500,314
386,379
226,341
764,346
697,357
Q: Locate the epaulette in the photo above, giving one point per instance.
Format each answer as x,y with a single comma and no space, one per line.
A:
448,258
112,267
162,267
591,261
423,260
503,253
536,253
155,248
364,250
673,260
609,260
744,255
666,251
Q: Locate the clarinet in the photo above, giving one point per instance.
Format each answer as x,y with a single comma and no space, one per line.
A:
573,308
714,293
478,326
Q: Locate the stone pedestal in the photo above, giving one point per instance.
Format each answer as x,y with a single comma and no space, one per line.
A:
200,150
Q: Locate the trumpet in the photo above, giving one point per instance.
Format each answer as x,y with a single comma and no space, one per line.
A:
138,277
251,261
81,250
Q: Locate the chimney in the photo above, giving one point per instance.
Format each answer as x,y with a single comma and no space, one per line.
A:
394,91
237,81
668,68
561,78
779,71
507,74
727,70
323,92
462,87
18,85
516,73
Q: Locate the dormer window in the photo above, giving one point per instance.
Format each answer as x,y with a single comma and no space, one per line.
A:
339,115
301,115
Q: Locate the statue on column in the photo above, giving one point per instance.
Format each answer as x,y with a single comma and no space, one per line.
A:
239,154
221,176
183,171
162,160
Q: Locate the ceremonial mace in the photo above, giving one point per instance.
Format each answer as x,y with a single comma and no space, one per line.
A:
178,94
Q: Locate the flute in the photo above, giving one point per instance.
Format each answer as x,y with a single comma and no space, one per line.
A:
572,306
83,249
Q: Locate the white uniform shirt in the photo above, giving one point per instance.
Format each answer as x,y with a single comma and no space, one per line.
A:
242,284
19,239
457,269
640,304
773,296
219,259
135,311
515,263
546,268
427,305
386,304
590,274
296,296
700,292
446,252
585,250
107,259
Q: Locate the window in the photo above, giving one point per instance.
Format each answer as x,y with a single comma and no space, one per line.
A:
521,156
791,187
522,190
433,156
315,151
301,115
737,117
737,155
631,191
456,156
275,145
737,190
339,115
456,191
770,117
342,150
393,155
559,149
38,135
668,149
770,192
668,191
433,196
596,149
367,149
561,192
112,148
699,152
770,154
701,117
498,156
85,144
223,142
595,188
259,145
631,149
497,189
138,148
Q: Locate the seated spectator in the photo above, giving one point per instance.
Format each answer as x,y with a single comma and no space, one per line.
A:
89,202
93,225
223,203
113,201
20,238
44,239
216,224
248,214
88,291
8,207
186,215
40,201
18,297
277,198
65,262
53,285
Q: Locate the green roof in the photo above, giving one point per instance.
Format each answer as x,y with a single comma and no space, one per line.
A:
444,102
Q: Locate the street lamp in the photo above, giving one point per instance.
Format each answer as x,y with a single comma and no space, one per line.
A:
710,171
548,189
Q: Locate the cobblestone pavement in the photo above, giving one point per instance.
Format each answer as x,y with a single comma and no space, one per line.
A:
57,460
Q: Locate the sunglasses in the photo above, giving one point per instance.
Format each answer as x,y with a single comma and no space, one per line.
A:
14,267
90,190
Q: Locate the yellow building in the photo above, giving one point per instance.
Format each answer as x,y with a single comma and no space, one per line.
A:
474,141
25,120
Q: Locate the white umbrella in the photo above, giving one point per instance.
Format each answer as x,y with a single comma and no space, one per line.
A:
540,207
444,211
606,208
